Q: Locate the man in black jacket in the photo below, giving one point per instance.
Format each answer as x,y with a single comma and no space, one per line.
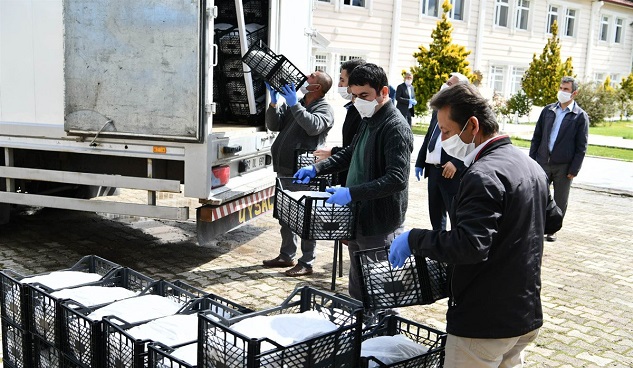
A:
559,143
441,169
352,118
495,246
378,161
405,97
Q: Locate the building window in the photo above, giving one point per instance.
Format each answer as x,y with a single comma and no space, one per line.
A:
430,7
604,28
523,13
359,3
570,22
552,16
496,78
618,30
501,13
599,77
344,58
457,11
325,1
320,62
517,75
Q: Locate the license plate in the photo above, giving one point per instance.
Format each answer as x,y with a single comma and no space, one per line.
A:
252,163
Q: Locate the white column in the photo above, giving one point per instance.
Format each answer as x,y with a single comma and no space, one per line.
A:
395,32
591,41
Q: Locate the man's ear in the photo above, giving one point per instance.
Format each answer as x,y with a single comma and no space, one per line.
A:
384,91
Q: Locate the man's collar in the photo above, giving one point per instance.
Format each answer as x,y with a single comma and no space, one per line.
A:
571,106
470,158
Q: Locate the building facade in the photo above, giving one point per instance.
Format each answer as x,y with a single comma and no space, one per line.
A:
502,35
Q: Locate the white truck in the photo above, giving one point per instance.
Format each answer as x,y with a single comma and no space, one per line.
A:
96,95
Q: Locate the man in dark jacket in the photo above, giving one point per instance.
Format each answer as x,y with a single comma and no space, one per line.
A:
495,246
559,143
352,118
302,125
441,169
378,161
405,97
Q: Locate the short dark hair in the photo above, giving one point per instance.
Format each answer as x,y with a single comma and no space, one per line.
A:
370,74
325,81
350,65
464,101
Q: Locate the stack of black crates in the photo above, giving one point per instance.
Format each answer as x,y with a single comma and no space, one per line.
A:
229,84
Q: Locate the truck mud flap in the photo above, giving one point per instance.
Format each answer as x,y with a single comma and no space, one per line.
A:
215,220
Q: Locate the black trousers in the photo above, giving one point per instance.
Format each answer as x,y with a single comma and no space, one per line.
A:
441,193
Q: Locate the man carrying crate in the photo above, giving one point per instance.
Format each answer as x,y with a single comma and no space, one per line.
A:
495,246
378,164
302,124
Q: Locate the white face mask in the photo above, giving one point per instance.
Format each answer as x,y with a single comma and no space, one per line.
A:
343,92
365,108
408,82
304,88
563,96
455,147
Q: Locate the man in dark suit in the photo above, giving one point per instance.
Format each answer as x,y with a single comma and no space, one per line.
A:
405,97
559,143
441,169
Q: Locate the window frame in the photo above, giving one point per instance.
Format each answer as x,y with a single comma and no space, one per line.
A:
603,35
451,14
493,76
618,30
515,79
498,5
519,9
351,5
550,14
574,19
424,8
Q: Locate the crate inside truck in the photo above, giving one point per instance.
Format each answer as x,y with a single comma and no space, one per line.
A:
148,96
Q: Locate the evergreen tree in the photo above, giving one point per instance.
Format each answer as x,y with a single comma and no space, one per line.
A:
625,96
436,62
542,79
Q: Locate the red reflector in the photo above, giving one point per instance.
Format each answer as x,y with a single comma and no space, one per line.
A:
220,176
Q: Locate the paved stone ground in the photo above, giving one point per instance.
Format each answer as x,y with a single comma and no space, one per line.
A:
587,273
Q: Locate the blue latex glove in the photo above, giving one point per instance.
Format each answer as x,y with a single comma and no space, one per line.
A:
340,195
399,250
273,94
305,174
289,92
413,102
418,172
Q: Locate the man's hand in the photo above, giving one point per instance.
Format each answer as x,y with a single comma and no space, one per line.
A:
340,195
322,154
273,94
305,174
418,172
289,92
413,101
449,170
399,250
570,176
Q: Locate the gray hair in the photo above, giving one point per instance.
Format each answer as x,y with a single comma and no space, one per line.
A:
460,77
574,84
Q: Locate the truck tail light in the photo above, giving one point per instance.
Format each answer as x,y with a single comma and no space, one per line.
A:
220,175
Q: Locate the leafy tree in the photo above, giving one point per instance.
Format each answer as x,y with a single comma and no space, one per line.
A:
436,62
596,100
542,79
519,104
625,96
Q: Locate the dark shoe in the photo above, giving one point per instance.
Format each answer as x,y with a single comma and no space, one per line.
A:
299,270
278,262
550,237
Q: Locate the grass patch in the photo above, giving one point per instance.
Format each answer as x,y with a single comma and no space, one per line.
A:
622,129
598,151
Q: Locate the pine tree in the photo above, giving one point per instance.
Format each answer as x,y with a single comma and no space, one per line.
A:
625,96
436,62
542,79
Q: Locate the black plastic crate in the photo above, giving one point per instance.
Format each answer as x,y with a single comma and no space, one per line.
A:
46,355
242,109
82,337
16,345
13,292
255,11
311,217
162,356
305,158
220,346
236,90
46,312
432,339
419,281
233,67
277,70
229,40
123,350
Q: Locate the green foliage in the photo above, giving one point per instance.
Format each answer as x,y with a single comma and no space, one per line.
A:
436,62
624,96
519,104
542,79
597,101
